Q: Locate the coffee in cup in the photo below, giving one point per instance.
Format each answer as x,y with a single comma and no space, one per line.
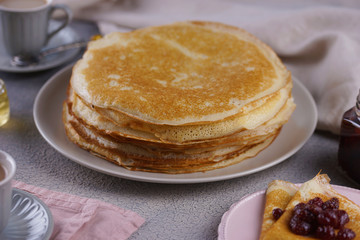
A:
8,168
22,4
25,27
2,173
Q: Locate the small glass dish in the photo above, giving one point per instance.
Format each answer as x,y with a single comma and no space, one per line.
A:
4,104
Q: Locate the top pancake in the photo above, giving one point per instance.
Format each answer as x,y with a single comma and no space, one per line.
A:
178,74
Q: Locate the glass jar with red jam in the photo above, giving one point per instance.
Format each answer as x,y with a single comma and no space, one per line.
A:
349,145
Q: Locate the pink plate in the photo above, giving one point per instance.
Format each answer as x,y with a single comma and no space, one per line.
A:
243,219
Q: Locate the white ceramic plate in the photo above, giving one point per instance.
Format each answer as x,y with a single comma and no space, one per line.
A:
244,218
47,115
30,218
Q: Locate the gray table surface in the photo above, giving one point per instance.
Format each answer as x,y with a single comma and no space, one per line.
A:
189,211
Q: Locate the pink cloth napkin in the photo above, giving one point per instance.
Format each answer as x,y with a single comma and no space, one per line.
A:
83,218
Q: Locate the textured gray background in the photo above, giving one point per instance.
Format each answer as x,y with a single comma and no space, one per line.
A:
189,211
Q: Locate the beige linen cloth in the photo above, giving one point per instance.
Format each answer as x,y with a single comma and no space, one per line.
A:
318,40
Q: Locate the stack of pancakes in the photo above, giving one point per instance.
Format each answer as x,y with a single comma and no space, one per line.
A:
178,98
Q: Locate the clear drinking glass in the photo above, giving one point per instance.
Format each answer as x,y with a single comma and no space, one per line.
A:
4,104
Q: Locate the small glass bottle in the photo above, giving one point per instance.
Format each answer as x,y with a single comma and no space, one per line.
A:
349,145
4,104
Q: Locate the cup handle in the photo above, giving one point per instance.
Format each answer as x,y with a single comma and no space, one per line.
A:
68,16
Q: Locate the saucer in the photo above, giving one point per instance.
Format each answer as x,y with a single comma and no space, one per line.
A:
30,218
66,35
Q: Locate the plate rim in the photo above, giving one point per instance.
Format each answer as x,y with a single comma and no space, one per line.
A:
225,217
152,176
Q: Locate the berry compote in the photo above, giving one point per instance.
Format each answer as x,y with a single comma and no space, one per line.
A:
323,220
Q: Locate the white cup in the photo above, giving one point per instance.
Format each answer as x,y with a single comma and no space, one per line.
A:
9,165
25,30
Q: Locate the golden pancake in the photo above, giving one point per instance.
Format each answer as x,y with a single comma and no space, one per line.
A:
127,127
185,133
177,74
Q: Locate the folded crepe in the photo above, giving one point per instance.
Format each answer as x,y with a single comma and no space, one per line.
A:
278,195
